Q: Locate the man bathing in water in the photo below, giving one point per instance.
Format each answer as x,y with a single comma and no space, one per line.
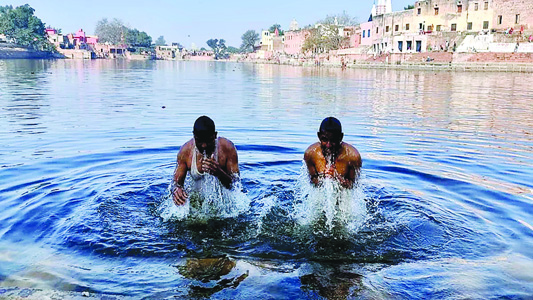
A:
331,157
205,154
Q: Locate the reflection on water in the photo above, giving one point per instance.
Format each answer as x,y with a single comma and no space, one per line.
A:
210,269
442,209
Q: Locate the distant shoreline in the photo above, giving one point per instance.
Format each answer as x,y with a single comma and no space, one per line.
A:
10,51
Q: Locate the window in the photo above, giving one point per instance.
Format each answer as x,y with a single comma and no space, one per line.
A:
368,33
486,5
386,28
517,19
396,27
400,46
419,11
469,26
486,25
500,19
364,32
460,8
406,26
409,45
476,6
436,11
454,27
430,28
421,26
438,27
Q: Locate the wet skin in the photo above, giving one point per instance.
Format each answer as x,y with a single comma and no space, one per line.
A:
226,168
332,158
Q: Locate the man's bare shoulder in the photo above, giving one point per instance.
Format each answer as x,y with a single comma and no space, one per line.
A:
186,149
351,152
311,151
226,145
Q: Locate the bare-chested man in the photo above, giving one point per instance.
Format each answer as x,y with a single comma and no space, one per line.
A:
205,154
331,157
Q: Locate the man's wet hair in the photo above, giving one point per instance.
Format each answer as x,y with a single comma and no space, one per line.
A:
331,124
204,126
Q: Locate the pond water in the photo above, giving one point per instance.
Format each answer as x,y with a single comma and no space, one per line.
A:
443,208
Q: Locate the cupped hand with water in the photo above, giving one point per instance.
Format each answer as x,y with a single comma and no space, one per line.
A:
211,166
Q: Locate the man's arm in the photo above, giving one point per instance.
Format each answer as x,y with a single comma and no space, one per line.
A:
178,193
311,169
353,169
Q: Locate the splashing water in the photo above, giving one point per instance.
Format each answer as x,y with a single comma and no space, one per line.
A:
329,202
207,199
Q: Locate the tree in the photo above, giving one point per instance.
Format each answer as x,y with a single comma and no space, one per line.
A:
113,32
408,7
323,39
160,41
219,47
342,19
233,50
136,38
249,38
20,25
273,28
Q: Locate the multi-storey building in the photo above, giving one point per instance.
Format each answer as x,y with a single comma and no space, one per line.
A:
438,23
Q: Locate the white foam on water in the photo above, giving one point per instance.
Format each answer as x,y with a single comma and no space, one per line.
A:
338,205
207,199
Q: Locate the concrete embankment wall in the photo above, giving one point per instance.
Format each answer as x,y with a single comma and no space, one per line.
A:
446,61
8,51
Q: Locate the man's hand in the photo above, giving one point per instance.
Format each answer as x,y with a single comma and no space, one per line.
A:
330,173
211,166
179,195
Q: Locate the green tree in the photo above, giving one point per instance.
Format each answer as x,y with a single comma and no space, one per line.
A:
233,50
219,47
136,38
249,39
273,28
410,6
113,32
160,41
20,25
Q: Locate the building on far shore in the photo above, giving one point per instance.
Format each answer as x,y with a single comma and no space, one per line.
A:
450,25
173,52
271,44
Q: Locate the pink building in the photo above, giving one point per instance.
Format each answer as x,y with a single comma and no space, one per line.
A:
352,35
366,33
294,41
50,31
80,38
92,40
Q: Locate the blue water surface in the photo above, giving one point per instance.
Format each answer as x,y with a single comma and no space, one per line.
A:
88,149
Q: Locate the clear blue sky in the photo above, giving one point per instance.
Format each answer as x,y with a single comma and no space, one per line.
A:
194,21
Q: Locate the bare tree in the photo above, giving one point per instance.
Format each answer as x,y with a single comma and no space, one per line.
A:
113,32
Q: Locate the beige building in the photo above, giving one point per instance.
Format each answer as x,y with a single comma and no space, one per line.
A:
168,52
397,32
516,14
441,24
